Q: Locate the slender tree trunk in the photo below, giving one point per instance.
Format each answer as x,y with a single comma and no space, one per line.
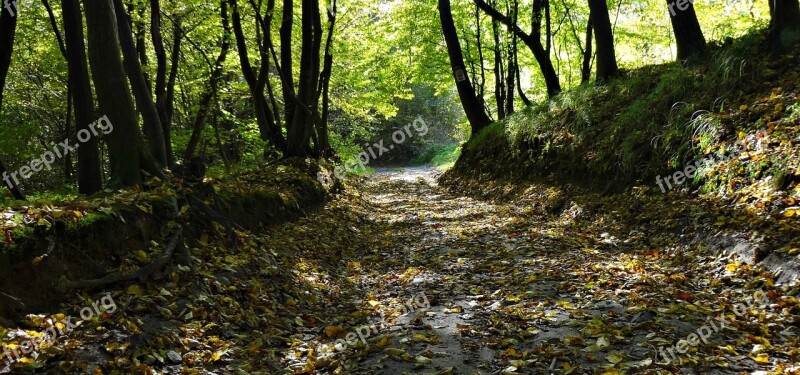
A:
170,100
54,25
520,91
515,52
127,151
785,25
161,78
499,89
144,101
139,34
211,91
472,105
586,67
510,75
480,87
287,76
8,29
688,34
323,140
90,179
67,130
604,37
68,172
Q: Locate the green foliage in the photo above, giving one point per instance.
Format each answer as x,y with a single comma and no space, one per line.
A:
446,157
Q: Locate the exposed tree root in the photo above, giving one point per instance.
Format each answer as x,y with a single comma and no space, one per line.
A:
143,273
214,215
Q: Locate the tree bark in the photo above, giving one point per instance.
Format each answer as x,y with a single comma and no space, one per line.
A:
688,34
323,140
510,75
141,92
8,30
267,127
785,25
161,78
499,82
287,77
586,68
472,105
302,124
90,179
139,36
127,151
170,100
604,37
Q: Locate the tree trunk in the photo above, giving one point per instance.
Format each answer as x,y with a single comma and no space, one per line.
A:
267,127
604,37
499,89
302,124
323,140
785,25
161,79
90,179
127,151
688,34
141,92
534,43
287,77
510,75
515,53
472,105
586,68
139,34
8,29
170,100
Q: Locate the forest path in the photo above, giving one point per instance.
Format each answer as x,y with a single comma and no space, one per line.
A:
456,285
410,278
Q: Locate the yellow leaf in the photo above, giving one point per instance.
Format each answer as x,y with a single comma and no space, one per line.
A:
334,331
762,358
373,303
574,340
218,355
615,357
141,256
731,267
135,290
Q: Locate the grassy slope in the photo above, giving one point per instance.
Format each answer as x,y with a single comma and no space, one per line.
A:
653,121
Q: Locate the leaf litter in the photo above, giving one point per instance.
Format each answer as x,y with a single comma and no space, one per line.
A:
517,287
